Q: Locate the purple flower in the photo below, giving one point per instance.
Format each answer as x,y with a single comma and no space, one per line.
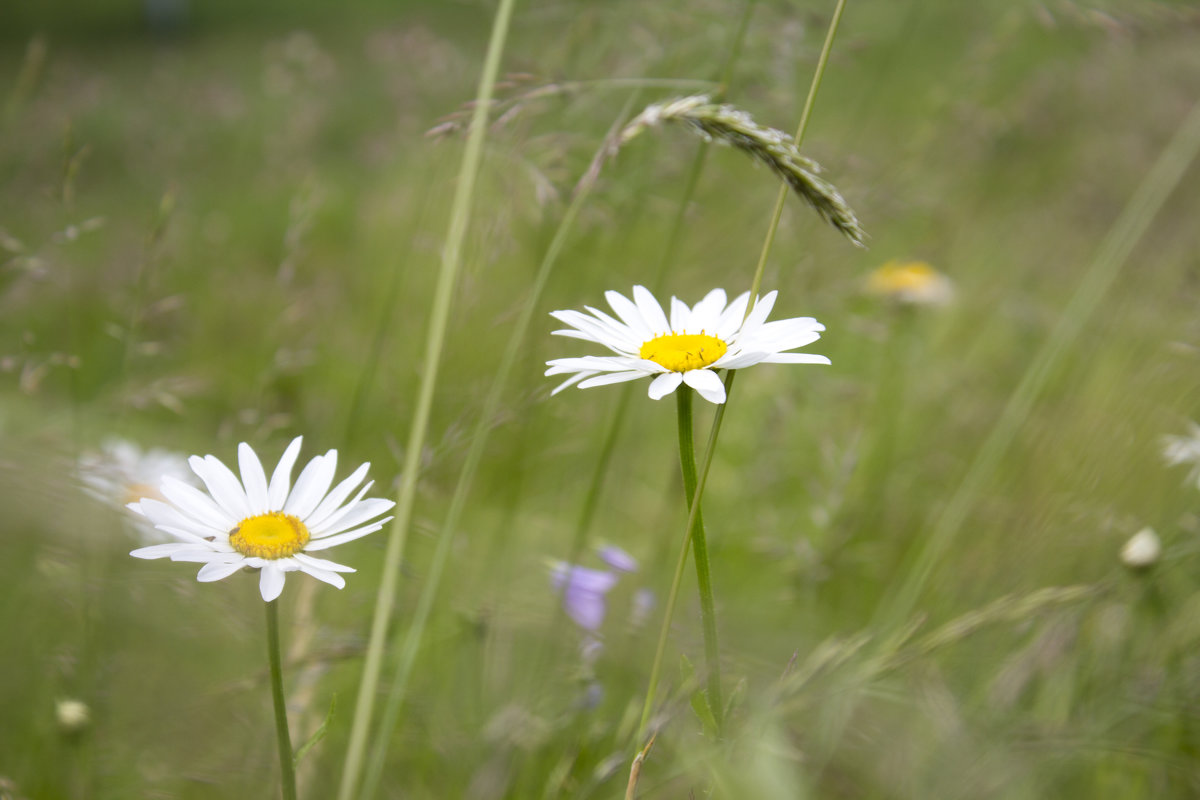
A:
617,558
583,592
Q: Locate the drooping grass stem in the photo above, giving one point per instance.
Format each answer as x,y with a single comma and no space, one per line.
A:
287,763
447,280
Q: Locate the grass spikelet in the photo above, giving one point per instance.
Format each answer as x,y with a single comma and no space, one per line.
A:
726,124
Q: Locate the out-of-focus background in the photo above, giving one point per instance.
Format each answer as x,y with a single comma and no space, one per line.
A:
221,222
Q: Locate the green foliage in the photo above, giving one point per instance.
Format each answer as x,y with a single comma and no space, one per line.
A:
232,235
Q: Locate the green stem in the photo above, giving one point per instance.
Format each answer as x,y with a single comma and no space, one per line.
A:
697,492
287,762
447,280
708,616
412,639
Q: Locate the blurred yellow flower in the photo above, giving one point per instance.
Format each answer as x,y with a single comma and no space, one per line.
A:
912,283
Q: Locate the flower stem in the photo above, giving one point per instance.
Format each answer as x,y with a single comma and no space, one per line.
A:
687,461
287,764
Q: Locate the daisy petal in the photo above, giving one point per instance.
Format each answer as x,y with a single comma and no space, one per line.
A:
253,478
341,538
159,550
332,578
216,570
270,583
312,485
650,310
223,485
706,382
321,563
336,497
664,384
277,493
796,358
353,515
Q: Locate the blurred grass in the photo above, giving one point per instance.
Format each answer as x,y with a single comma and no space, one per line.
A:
997,141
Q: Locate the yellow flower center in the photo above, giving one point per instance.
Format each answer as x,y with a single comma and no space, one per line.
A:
273,535
680,352
894,277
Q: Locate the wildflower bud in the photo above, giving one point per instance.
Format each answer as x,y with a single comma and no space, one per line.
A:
1142,550
72,715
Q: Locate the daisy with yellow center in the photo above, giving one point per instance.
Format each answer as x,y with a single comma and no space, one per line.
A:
269,526
911,282
688,348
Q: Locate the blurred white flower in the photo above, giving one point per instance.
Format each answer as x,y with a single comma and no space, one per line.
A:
911,283
687,349
120,473
72,715
1185,450
259,524
1142,550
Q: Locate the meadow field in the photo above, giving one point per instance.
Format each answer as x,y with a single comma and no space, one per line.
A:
225,223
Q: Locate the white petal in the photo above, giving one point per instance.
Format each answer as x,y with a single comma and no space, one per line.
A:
796,358
707,312
312,485
253,478
277,493
629,314
612,377
758,315
159,550
270,583
223,485
679,314
731,318
164,516
332,578
571,381
196,503
664,384
216,570
706,382
336,497
342,538
321,563
650,310
358,514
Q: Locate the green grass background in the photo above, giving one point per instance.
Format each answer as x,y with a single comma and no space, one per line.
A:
284,290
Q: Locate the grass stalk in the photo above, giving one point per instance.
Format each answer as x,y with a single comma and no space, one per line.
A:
447,280
412,639
287,763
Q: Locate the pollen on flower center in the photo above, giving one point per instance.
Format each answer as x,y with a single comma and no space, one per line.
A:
273,535
680,352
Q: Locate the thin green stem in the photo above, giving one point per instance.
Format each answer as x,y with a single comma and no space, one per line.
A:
708,615
412,639
287,762
447,280
809,102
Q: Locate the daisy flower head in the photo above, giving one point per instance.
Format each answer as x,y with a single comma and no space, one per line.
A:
121,472
913,283
688,347
271,526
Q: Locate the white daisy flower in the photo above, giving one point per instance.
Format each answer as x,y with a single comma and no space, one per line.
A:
688,348
259,524
1185,450
121,472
